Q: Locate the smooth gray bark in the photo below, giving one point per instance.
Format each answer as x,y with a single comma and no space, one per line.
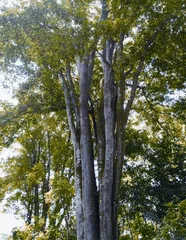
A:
118,164
78,189
90,210
106,226
77,157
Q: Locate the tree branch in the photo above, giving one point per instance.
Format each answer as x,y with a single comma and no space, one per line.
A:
72,94
68,106
137,73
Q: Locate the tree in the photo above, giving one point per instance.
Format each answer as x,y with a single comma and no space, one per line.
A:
173,226
101,64
153,177
34,179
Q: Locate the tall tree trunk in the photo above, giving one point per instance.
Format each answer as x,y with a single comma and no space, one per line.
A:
36,203
91,224
29,209
46,180
100,151
109,111
118,163
78,189
75,133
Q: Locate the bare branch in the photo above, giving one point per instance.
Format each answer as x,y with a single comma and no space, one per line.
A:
72,94
68,106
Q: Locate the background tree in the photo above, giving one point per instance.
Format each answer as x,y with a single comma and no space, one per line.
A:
38,187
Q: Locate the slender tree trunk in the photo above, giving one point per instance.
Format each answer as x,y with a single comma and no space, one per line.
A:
87,157
100,152
118,164
35,159
75,133
109,111
78,189
29,210
36,203
46,180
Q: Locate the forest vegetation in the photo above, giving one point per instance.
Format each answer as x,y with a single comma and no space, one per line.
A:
99,120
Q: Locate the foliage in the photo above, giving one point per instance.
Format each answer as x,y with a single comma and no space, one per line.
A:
173,226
